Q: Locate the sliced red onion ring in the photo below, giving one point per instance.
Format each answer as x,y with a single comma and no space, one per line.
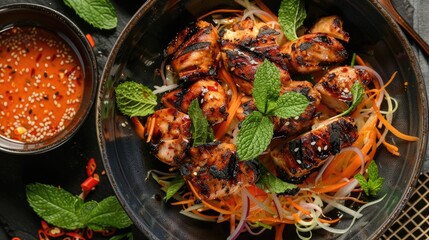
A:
244,213
379,79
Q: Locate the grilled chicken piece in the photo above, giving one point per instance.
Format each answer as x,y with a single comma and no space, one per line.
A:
171,135
245,47
214,170
288,127
295,159
210,94
335,86
195,52
313,52
331,25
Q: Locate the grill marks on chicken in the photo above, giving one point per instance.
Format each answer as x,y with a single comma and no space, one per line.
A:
195,52
245,46
331,25
211,95
313,52
289,127
171,135
335,86
297,158
214,170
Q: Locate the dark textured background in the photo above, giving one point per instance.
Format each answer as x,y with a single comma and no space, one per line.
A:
66,166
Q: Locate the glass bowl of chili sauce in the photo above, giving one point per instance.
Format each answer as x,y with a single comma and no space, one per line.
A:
48,78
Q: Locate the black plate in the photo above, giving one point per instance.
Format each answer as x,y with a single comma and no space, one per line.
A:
138,54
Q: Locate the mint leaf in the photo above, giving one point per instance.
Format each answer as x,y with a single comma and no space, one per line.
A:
358,92
291,16
62,209
108,213
57,206
266,86
99,13
128,235
273,184
363,183
135,99
201,131
254,136
374,183
174,187
290,104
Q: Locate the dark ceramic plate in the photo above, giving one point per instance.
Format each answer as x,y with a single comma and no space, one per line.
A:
137,55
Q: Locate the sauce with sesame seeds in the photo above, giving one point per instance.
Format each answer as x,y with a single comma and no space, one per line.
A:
41,84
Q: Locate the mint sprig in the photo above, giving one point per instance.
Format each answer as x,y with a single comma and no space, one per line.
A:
257,129
135,99
374,183
62,209
291,16
201,130
99,13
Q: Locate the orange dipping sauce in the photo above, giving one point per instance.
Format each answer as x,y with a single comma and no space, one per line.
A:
41,84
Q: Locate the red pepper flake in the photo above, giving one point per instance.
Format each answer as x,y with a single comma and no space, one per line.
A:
90,167
75,236
90,40
38,57
89,184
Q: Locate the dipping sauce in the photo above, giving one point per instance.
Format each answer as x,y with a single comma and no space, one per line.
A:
41,84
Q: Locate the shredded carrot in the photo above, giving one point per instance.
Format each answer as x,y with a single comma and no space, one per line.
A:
279,231
90,40
391,128
151,128
297,206
360,61
220,11
264,8
205,202
329,221
138,127
329,188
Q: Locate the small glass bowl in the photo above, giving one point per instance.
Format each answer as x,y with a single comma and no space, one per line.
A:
33,15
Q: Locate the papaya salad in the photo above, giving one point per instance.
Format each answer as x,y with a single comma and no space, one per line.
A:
264,122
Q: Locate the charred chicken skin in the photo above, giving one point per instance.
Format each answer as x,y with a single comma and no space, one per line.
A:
313,52
214,170
211,95
335,86
195,52
245,46
296,158
171,135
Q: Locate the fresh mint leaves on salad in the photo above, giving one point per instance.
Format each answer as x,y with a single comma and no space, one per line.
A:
175,185
99,13
135,99
257,129
291,17
201,130
62,209
374,183
270,183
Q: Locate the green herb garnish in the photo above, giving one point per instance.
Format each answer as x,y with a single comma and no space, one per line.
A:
62,209
272,184
374,183
358,92
291,17
201,130
99,13
175,185
135,99
257,129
